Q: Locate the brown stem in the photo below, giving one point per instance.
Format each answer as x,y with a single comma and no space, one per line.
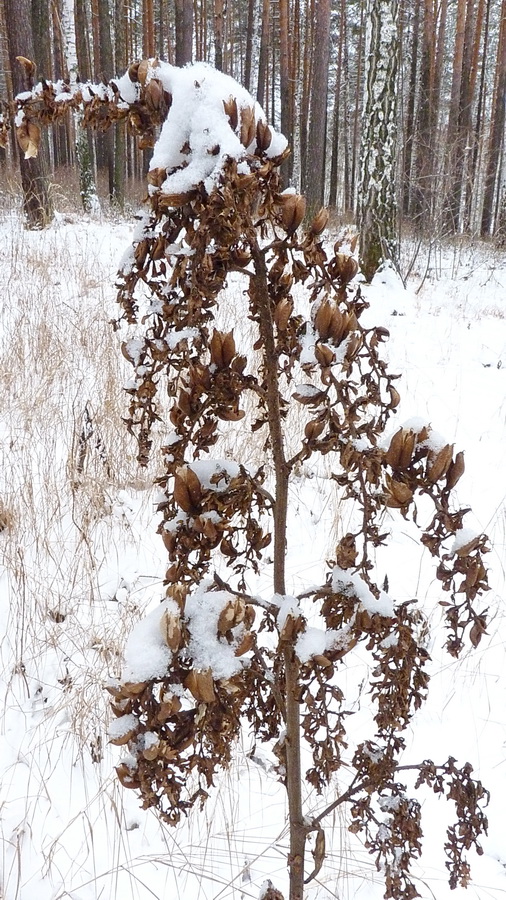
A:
298,831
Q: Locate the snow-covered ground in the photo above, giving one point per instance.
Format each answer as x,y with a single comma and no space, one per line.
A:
81,562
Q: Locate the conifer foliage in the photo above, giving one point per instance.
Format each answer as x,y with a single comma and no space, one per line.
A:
215,655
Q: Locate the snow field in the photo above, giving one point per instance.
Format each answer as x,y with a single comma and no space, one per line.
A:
81,563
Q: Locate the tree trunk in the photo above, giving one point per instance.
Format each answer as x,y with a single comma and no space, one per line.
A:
314,181
184,32
336,143
378,206
285,87
248,60
496,129
219,20
37,204
464,120
263,57
409,139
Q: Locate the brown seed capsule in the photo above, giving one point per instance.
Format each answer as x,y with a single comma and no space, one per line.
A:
338,326
133,72
393,453
347,267
264,136
230,415
322,660
324,354
201,685
215,347
182,494
245,644
319,222
123,738
134,688
126,777
293,212
399,494
323,319
407,449
395,398
170,629
228,348
230,107
248,125
455,471
313,429
231,615
193,484
282,313
439,463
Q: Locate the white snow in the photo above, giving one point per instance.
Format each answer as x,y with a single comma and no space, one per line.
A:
207,649
353,585
196,137
146,654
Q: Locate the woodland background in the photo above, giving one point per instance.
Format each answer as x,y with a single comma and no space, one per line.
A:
305,62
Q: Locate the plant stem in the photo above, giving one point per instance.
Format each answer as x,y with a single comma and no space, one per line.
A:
298,831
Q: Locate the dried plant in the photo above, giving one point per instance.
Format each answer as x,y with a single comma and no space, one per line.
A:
228,656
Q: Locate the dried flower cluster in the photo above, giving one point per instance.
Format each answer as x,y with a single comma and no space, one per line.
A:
257,659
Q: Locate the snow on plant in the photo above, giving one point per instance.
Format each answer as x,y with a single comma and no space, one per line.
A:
215,655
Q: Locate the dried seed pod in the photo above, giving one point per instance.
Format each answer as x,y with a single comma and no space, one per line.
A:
201,685
230,107
313,429
246,643
293,212
407,449
399,495
320,221
282,313
324,354
393,453
354,345
323,319
455,471
248,125
182,494
152,752
347,267
170,629
126,777
133,72
338,326
134,688
439,463
263,136
193,484
228,348
395,398
123,739
28,137
168,707
322,660
215,348
231,615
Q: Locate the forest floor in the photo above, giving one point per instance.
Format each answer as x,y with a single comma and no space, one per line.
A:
81,561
